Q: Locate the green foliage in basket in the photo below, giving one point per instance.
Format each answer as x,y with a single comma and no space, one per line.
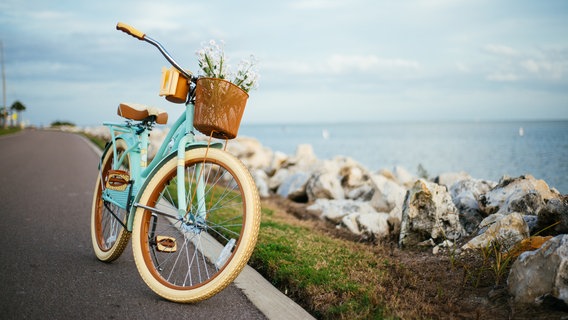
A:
214,64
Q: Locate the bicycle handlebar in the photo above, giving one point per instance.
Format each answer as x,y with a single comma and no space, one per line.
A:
130,30
142,36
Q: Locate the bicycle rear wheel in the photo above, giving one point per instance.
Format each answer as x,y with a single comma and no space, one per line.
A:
108,235
188,256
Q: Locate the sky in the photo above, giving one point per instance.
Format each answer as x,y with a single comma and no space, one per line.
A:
319,61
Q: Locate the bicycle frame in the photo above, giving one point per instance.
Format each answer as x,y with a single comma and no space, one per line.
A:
181,137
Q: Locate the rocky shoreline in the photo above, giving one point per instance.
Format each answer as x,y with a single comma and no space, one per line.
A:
520,216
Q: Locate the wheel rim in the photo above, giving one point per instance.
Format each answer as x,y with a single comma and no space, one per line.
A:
108,230
184,254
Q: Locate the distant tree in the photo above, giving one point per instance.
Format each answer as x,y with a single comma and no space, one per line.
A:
60,123
4,117
18,107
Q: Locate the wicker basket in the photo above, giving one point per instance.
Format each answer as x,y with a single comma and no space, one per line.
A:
219,107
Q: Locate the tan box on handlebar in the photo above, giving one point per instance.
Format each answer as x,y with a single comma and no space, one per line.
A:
175,86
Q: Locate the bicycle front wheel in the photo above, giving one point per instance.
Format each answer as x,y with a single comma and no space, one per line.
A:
108,235
190,254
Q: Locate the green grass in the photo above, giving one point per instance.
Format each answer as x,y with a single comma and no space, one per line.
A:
9,130
329,277
99,142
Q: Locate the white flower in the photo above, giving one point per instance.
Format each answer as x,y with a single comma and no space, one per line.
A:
214,64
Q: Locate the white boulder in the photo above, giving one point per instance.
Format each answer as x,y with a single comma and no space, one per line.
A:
335,210
523,194
324,186
293,187
429,212
504,233
388,195
449,178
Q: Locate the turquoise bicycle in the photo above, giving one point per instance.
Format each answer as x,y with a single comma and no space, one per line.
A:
193,211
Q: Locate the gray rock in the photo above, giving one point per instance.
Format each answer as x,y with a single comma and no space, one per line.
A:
278,159
553,217
335,210
374,224
294,187
487,222
450,178
524,194
352,173
362,193
358,217
324,186
388,195
278,178
429,212
542,273
465,195
251,152
505,231
261,181
531,223
305,159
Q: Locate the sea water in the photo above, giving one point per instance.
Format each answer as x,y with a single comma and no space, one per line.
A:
485,150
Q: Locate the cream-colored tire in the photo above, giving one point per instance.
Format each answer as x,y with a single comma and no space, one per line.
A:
108,236
180,258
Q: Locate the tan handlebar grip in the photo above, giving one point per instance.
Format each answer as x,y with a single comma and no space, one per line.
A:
130,30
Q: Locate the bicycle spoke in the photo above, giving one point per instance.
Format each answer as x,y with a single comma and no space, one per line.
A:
192,246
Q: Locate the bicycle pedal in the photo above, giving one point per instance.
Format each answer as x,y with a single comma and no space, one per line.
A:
117,180
166,244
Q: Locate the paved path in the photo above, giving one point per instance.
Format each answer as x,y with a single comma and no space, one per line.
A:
47,267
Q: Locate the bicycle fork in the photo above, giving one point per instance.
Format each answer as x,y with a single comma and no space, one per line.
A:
198,195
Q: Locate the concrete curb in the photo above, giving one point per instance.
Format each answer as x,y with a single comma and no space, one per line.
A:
274,304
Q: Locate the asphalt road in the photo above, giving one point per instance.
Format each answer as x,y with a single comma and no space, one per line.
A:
47,267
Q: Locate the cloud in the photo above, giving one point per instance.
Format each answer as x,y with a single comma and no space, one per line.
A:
48,16
549,68
344,64
164,17
502,77
531,65
341,64
316,4
526,65
502,50
462,67
438,3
